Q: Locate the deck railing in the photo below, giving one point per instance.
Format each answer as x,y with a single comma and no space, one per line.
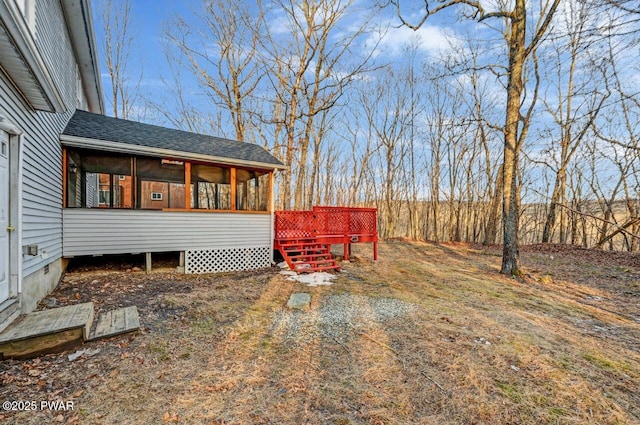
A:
329,225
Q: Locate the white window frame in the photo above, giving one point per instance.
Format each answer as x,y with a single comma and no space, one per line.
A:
104,195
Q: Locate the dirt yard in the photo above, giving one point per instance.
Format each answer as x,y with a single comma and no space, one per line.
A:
427,335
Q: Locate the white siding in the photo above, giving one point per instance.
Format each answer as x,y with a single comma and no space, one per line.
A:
42,181
53,42
42,154
97,231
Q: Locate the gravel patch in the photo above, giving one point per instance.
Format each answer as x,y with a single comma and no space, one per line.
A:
338,317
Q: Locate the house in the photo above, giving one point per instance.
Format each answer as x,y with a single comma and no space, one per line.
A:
74,182
48,69
131,187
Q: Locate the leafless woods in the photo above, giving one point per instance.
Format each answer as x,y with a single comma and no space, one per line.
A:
523,119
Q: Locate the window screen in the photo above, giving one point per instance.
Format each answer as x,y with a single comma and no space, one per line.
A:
252,190
210,187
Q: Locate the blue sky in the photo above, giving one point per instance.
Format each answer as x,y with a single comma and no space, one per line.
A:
436,37
147,54
149,17
441,35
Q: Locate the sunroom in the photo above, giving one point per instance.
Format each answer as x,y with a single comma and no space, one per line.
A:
132,188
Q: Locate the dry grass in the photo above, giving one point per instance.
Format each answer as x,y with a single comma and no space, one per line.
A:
477,348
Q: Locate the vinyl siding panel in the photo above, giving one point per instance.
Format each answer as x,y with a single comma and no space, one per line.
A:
42,181
40,140
95,232
54,44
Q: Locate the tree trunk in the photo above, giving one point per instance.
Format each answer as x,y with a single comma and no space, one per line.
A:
558,190
510,204
491,229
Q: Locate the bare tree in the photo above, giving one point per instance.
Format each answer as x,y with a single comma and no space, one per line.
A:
447,132
309,71
386,110
117,24
183,112
220,51
520,47
575,109
358,140
621,137
413,79
482,106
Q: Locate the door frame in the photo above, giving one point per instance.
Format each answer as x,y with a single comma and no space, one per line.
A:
15,206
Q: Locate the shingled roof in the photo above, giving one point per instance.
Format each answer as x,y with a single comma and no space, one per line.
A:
86,129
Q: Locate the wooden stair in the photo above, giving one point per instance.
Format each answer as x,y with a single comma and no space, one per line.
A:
307,255
57,329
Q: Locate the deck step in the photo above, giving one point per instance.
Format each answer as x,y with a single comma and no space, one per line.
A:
301,266
302,256
46,331
116,322
300,245
297,240
307,255
314,261
295,247
318,251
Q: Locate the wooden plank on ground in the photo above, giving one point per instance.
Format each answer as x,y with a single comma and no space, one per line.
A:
116,322
46,331
42,344
79,316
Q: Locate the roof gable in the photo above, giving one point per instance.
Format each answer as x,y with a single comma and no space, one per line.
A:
140,137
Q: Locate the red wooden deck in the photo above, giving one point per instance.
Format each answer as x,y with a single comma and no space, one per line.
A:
300,235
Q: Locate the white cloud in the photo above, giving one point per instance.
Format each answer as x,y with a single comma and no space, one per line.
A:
499,5
278,23
429,39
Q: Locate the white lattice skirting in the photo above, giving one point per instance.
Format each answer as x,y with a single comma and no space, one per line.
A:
226,260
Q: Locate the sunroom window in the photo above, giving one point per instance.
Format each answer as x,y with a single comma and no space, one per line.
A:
210,187
160,183
97,179
252,190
